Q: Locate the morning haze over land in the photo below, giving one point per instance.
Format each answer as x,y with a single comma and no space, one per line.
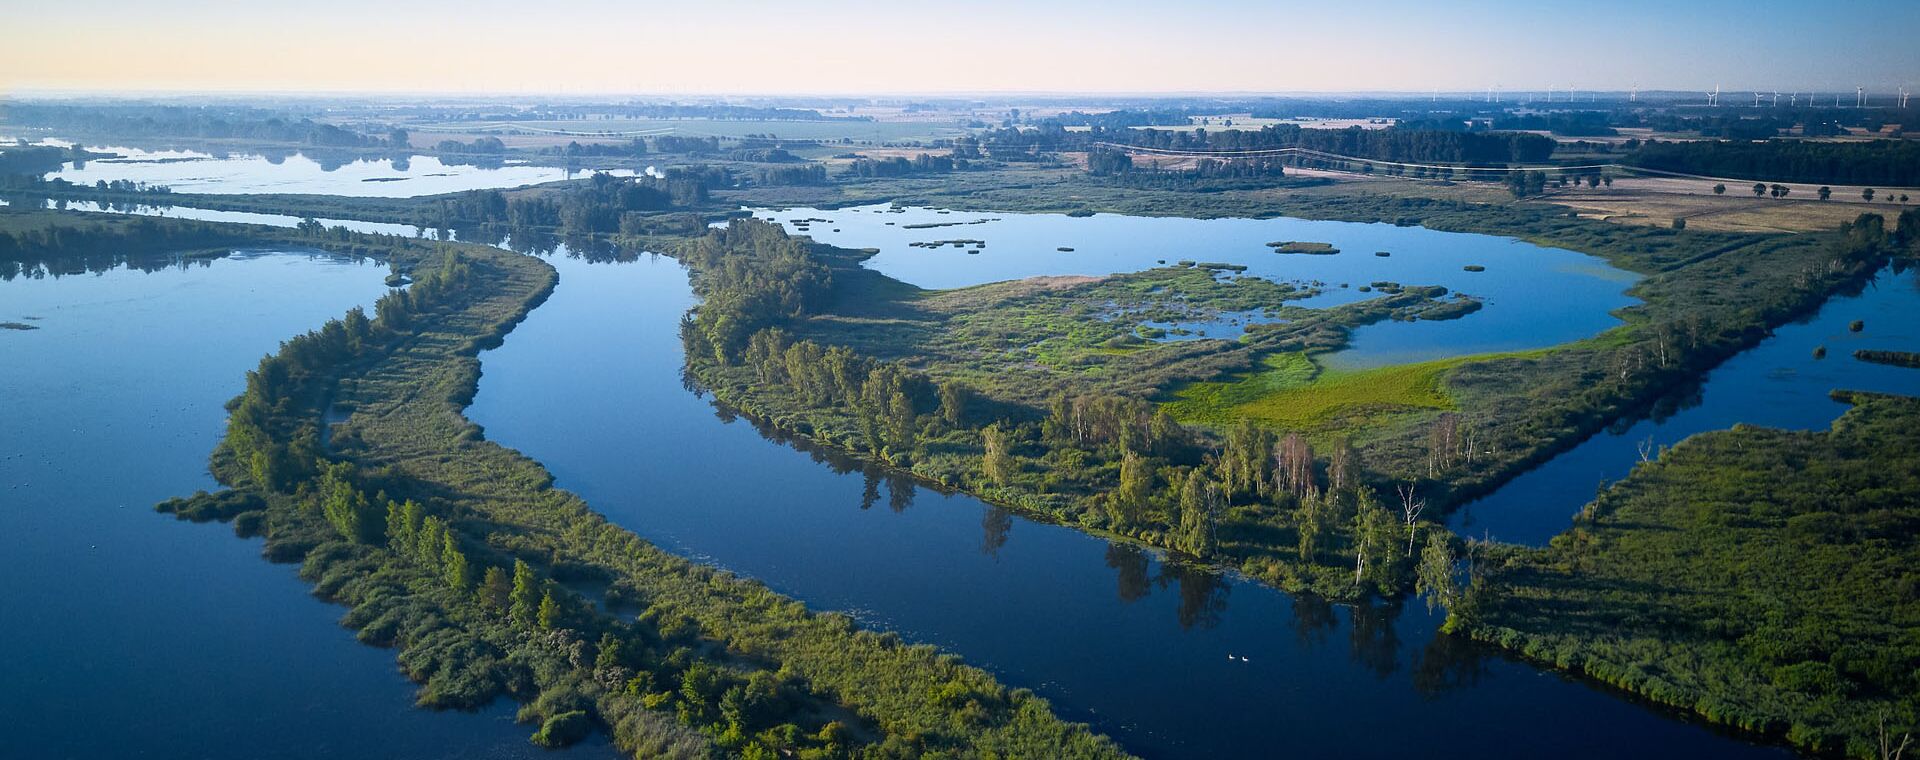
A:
1001,380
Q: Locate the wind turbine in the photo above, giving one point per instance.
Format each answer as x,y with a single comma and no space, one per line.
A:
1713,98
1859,97
1756,100
1776,98
1633,94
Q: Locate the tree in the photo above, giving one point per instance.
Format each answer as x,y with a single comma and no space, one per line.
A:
1199,509
453,564
1293,465
1136,488
1435,581
1867,194
1759,189
496,589
998,460
1720,189
1825,193
549,615
953,402
1372,539
1343,466
526,594
1411,505
1315,516
1679,223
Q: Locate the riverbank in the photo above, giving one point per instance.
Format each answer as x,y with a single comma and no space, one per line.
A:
588,661
1758,578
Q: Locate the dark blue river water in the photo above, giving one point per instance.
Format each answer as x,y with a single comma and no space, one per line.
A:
1173,662
127,633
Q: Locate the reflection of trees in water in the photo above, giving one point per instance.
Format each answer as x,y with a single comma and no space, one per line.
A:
1203,593
1131,563
1374,643
1448,663
899,493
34,267
1313,619
995,525
870,489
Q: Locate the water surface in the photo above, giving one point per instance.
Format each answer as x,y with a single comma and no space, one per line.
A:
131,634
1778,383
1172,661
301,172
1534,296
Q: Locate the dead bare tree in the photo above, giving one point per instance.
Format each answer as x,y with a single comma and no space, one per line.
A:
1293,464
1410,507
1889,750
1341,467
1646,449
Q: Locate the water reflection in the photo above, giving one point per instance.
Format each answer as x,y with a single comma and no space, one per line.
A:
313,171
1173,660
1783,382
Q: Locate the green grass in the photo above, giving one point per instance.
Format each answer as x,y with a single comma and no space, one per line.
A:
1292,392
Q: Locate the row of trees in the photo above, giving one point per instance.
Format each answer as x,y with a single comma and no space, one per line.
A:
604,204
1880,162
900,166
279,459
1115,462
210,122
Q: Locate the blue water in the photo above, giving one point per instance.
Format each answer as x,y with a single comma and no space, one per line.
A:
1534,296
591,385
127,633
307,173
1776,384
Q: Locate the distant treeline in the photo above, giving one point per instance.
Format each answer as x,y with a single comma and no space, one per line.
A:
1881,162
196,122
898,166
34,244
604,204
1407,145
664,111
1570,124
36,160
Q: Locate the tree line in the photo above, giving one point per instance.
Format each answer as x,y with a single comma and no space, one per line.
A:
1880,162
1111,462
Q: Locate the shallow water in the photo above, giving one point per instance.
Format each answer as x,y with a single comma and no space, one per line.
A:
415,175
1776,384
1534,296
1148,651
131,634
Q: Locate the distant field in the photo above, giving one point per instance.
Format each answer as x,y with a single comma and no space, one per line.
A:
860,131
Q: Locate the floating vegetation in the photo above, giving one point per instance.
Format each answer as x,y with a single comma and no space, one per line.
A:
1857,326
1890,358
932,225
958,243
1382,254
1820,352
1298,246
17,326
1065,249
1474,268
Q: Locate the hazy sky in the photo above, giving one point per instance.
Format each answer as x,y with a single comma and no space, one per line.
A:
855,46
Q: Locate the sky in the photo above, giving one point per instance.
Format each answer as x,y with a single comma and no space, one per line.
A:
870,47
